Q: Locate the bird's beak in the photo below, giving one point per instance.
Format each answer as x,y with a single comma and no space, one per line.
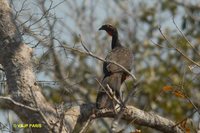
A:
101,28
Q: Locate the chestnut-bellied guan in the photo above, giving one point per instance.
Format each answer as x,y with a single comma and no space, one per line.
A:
114,75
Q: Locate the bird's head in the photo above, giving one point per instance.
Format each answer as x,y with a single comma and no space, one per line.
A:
109,29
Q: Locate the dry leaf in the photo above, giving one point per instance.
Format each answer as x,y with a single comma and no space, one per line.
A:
183,123
178,93
187,130
167,88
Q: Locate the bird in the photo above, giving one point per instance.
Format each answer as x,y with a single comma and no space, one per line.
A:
114,75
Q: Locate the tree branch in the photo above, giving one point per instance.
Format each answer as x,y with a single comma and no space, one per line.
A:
178,50
131,114
99,58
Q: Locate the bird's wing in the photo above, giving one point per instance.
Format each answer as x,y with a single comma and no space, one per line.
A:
121,55
104,97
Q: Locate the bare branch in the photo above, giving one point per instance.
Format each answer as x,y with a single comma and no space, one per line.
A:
99,58
130,113
178,50
186,38
9,103
38,109
86,125
2,69
143,118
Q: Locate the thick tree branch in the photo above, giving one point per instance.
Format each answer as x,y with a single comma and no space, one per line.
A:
86,111
131,114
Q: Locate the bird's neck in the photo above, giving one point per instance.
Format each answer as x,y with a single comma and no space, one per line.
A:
115,41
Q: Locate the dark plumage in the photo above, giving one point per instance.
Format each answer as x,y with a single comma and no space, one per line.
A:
114,76
103,99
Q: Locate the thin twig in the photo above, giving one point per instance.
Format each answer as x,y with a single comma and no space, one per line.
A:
113,96
108,92
120,114
133,91
38,109
178,123
101,59
18,104
195,50
190,101
109,61
104,88
2,69
84,45
178,50
86,125
160,46
3,126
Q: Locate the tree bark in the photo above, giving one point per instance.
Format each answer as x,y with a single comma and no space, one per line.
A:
16,61
27,101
